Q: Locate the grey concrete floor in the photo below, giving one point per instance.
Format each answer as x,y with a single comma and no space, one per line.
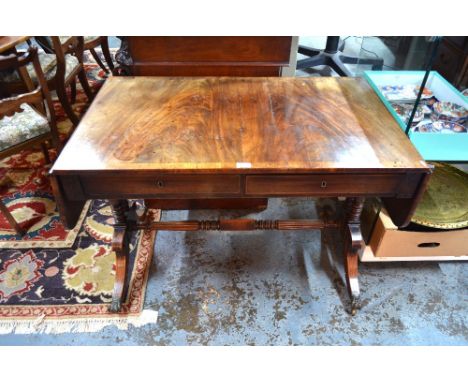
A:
281,288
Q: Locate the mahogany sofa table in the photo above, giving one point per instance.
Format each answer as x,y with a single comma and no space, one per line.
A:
159,138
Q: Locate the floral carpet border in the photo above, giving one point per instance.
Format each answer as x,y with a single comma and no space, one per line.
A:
92,317
65,243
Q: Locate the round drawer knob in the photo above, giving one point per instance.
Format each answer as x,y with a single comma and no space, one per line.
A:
323,184
160,183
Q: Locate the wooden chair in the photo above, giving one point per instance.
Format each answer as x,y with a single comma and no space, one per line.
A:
60,68
26,119
4,211
92,42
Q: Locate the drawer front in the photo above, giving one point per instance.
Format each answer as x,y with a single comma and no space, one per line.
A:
161,185
206,70
316,185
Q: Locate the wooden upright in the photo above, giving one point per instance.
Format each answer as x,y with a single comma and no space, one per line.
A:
203,56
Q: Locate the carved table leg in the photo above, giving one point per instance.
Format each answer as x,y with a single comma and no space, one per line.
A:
352,246
120,247
124,60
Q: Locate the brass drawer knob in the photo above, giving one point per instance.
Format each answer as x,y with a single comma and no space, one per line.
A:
323,184
160,183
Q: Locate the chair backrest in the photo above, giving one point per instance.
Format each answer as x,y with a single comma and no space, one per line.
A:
60,46
38,97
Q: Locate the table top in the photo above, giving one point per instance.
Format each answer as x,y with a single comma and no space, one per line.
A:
9,42
233,125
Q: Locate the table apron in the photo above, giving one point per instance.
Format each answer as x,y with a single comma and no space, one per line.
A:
194,186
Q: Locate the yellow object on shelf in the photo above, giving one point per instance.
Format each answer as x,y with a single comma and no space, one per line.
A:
445,202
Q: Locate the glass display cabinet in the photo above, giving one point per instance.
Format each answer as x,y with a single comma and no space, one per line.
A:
431,111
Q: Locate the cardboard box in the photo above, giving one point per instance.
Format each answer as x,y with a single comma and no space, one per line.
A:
387,243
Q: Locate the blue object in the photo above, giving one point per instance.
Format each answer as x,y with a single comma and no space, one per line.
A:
431,146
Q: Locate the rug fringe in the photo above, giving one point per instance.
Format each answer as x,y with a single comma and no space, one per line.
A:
44,325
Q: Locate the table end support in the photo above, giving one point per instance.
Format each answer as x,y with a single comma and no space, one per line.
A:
352,247
120,247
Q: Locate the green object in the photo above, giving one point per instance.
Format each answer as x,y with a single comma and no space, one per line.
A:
445,203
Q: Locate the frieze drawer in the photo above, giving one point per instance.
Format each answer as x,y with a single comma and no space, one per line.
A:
335,184
162,185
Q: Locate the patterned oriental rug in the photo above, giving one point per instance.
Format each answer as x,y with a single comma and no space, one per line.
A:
55,280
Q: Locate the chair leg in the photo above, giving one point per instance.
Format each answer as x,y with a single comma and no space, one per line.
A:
11,219
305,50
338,66
73,91
98,60
85,85
319,59
106,52
377,63
45,151
56,142
62,96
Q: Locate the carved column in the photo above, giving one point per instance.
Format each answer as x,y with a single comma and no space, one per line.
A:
124,59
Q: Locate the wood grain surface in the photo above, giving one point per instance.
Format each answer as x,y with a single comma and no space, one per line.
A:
237,125
272,50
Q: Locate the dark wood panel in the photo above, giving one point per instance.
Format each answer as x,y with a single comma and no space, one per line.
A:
205,70
72,187
210,49
201,204
244,56
452,60
162,185
316,185
70,210
401,209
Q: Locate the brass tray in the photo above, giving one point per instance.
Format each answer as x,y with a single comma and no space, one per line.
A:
445,203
